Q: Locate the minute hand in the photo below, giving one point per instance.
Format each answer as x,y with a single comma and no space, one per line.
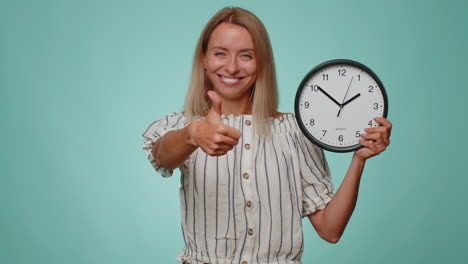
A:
329,96
349,101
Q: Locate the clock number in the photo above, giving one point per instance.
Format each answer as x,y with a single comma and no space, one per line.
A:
358,133
325,77
342,72
340,138
376,106
370,123
306,104
314,88
371,89
324,132
359,77
312,122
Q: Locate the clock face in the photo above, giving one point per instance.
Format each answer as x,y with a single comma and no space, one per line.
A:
336,101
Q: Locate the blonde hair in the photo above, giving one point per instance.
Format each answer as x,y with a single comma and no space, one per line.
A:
264,97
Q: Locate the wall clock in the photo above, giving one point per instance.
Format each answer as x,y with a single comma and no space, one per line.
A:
335,102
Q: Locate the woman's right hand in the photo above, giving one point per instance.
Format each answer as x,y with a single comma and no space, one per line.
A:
210,134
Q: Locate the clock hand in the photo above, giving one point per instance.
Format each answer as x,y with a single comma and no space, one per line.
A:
339,111
354,97
329,96
349,85
341,105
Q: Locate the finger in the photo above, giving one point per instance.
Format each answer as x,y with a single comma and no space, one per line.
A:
220,150
224,147
384,122
383,130
222,139
230,132
216,153
376,137
214,97
375,129
217,149
369,144
219,153
229,141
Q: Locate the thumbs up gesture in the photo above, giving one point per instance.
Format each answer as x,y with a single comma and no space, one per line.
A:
213,136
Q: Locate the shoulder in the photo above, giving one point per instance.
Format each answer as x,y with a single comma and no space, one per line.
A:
279,114
283,123
172,121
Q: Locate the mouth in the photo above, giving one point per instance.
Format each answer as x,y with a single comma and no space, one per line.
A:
230,81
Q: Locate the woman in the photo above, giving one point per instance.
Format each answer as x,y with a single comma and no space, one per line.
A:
248,173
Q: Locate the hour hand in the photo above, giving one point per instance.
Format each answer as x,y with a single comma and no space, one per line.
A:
350,100
329,96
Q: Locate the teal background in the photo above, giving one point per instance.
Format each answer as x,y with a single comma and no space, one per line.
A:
81,80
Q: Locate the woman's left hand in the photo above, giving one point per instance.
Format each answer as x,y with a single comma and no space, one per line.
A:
376,139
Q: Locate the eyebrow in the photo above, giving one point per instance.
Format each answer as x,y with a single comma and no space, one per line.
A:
242,50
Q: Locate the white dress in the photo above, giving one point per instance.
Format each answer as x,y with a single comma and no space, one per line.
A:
246,206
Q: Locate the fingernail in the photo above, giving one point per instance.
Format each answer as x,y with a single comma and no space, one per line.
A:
366,129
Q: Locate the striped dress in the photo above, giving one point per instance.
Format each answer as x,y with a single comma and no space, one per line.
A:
246,206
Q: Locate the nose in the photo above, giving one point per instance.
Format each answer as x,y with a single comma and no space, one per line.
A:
232,67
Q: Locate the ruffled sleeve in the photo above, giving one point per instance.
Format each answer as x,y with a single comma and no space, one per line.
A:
317,187
158,129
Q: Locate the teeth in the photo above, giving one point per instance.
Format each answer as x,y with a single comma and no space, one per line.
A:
230,80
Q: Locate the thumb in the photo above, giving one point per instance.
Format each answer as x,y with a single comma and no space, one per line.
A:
216,102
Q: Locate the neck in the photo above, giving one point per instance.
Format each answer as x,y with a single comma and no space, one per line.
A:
237,107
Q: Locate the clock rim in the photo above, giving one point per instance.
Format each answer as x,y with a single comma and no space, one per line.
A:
301,87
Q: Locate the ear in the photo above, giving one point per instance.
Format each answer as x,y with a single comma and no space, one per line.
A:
204,61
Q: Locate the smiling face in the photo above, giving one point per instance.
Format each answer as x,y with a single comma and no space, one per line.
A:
230,62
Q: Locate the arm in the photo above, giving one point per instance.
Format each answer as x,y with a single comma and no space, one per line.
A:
331,222
211,134
171,150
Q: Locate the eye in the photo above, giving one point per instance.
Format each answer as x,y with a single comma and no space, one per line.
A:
219,53
247,56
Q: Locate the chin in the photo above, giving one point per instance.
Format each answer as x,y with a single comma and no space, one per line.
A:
232,94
